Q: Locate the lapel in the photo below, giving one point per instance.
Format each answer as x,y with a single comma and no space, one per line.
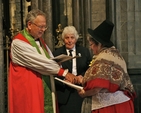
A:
77,59
65,64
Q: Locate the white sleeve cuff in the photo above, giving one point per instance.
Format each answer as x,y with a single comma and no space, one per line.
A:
65,72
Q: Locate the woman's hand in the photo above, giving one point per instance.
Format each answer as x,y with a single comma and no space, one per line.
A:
79,79
90,92
81,93
71,78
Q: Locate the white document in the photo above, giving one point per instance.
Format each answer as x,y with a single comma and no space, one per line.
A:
70,84
63,58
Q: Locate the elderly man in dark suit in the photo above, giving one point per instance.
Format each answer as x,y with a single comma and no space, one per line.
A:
68,98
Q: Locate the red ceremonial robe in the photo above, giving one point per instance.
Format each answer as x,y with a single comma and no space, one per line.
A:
108,71
25,89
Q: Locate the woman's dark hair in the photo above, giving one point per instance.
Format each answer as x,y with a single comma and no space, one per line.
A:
96,42
93,40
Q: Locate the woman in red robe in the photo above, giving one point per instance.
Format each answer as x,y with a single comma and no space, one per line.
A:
107,86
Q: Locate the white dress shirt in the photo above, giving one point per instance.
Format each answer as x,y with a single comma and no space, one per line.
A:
74,68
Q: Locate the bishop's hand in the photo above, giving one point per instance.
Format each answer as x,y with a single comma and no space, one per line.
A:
71,78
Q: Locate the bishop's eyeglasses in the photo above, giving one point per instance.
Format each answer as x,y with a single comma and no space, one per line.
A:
39,26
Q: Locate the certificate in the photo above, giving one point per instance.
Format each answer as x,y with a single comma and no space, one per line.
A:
77,87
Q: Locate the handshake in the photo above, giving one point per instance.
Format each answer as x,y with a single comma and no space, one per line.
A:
74,79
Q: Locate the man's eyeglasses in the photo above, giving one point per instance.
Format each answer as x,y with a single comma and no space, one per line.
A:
41,27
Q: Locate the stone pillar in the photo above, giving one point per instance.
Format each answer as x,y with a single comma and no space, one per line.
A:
15,16
128,31
134,33
98,12
76,15
34,4
126,15
12,8
87,20
111,15
78,19
88,6
2,95
69,12
48,36
25,10
82,21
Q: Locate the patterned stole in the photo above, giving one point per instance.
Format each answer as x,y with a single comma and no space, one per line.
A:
48,105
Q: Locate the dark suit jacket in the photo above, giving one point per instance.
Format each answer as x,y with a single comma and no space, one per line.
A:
82,63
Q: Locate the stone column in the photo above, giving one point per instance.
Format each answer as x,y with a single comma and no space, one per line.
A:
12,8
88,5
48,36
69,12
2,95
34,4
82,21
76,15
134,33
87,19
111,15
127,20
15,16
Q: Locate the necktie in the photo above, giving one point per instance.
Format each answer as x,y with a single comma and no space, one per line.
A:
70,54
